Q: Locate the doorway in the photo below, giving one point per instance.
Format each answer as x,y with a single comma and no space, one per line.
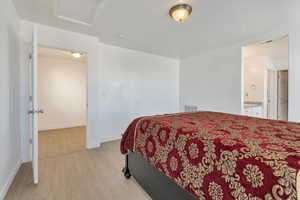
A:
62,96
265,79
277,94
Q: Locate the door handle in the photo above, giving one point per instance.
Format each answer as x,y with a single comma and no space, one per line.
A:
39,111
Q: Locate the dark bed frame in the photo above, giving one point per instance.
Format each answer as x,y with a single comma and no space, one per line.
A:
155,183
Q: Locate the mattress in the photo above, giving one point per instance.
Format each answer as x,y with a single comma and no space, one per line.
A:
221,156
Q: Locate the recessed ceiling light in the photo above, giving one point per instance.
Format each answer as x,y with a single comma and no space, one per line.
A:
76,54
180,12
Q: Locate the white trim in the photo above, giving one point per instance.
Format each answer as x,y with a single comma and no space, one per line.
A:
10,179
242,80
93,145
266,85
35,107
109,139
73,20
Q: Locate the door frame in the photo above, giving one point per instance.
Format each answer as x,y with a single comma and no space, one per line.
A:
33,110
86,79
275,78
62,39
35,104
88,144
278,93
263,38
274,97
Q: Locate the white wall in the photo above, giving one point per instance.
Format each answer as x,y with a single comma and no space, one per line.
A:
62,92
294,55
219,71
10,154
122,84
212,80
254,78
133,84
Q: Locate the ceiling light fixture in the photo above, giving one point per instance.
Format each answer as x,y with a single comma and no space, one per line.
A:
180,12
76,54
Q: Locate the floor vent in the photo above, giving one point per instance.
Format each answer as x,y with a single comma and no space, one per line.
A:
190,108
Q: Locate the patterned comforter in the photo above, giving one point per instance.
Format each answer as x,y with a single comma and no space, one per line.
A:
221,156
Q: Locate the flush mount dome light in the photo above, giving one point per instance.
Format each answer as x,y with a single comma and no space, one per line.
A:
180,12
76,54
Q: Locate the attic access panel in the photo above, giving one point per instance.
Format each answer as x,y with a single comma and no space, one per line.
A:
77,11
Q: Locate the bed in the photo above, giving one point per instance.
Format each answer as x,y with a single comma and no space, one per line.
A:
209,155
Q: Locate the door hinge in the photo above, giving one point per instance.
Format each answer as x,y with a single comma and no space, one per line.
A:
39,111
30,56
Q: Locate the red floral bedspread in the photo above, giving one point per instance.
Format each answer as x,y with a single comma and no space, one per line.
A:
220,156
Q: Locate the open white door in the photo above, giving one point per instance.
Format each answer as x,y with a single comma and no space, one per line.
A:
282,107
272,94
34,109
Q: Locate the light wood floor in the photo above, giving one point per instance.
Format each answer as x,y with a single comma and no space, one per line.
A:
61,141
76,175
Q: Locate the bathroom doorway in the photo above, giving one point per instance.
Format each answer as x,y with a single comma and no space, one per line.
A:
265,79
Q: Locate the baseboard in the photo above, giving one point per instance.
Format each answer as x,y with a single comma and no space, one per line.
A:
109,139
93,145
10,180
98,144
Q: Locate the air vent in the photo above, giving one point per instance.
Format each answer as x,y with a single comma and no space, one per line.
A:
190,108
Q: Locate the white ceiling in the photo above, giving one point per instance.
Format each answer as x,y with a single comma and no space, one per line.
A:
145,25
275,48
275,53
78,12
59,54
